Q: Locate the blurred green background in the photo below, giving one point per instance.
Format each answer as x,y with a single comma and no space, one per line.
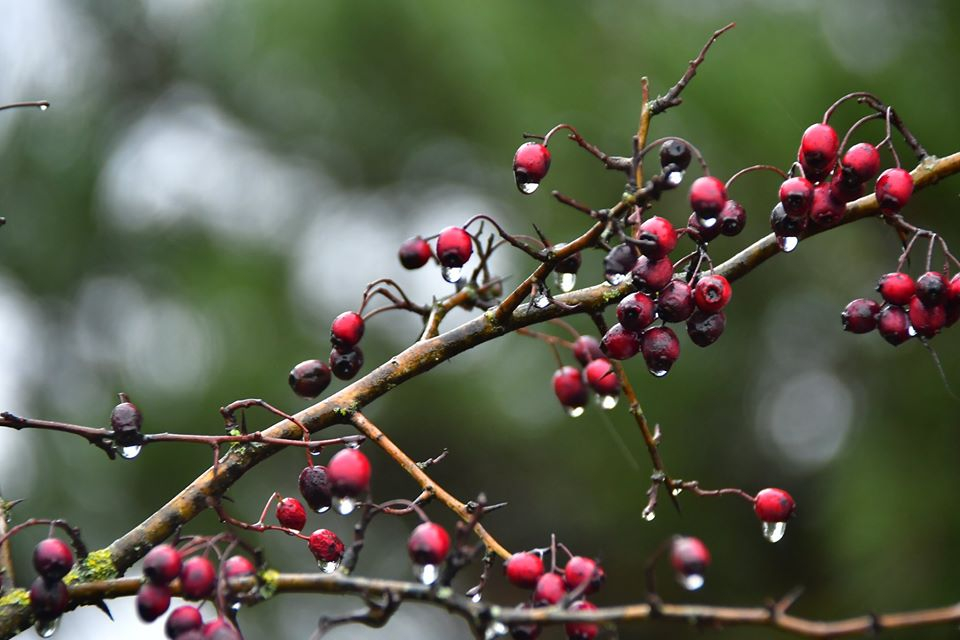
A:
217,180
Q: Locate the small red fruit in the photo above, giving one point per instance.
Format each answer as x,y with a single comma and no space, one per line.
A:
291,514
238,567
602,377
656,237
586,348
712,292
181,620
861,162
675,303
927,321
774,505
153,600
524,569
220,629
660,349
707,197
125,420
893,324
844,191
346,365
454,247
796,196
932,288
530,165
346,330
705,328
582,630
652,275
893,190
635,311
570,391
897,288
818,150
52,558
579,570
315,488
197,578
309,378
414,253
618,262
325,546
162,564
48,599
550,589
860,316
732,219
702,234
826,210
689,557
429,544
620,343
348,473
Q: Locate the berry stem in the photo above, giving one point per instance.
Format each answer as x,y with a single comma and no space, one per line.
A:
43,105
756,167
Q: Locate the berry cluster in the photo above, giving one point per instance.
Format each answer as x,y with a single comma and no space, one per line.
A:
454,248
571,384
52,559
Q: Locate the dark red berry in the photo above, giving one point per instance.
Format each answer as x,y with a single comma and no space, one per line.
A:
860,316
570,390
454,247
162,564
893,324
602,377
309,378
705,328
346,330
579,570
785,226
586,348
618,263
315,488
893,190
897,288
675,152
732,219
220,629
652,275
707,197
570,264
414,253
550,589
192,634
860,163
125,420
429,544
238,567
348,473
582,630
818,150
689,556
932,288
524,569
153,600
181,620
346,365
845,191
635,311
702,234
774,505
530,165
620,343
291,514
953,289
796,196
197,578
712,292
660,349
48,599
52,558
656,237
325,546
927,320
675,303
826,211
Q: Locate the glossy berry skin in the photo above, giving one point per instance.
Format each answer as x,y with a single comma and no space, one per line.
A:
732,219
705,328
893,190
414,253
181,620
579,570
860,163
524,569
197,578
701,233
52,558
844,191
927,321
893,324
238,567
346,330
569,388
796,196
826,210
932,288
675,303
309,378
657,237
153,600
162,564
48,599
635,311
582,630
860,316
620,343
602,377
707,197
530,164
774,505
689,556
220,629
675,152
325,546
818,150
454,247
619,261
550,589
897,288
346,365
125,420
315,487
712,293
291,514
348,473
586,348
652,275
429,544
785,226
660,349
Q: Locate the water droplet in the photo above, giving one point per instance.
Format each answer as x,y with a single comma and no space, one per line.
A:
616,278
706,223
345,505
691,582
44,107
528,187
426,573
46,628
787,243
608,402
328,566
540,301
648,514
774,531
495,630
235,606
316,451
574,412
477,597
676,491
911,331
674,178
566,281
322,509
130,452
353,444
659,373
451,274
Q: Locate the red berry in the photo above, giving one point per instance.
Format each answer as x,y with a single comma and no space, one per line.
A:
346,330
818,150
582,630
309,378
656,237
602,377
844,191
125,420
701,233
550,589
414,253
620,343
153,600
586,348
860,316
346,365
162,564
785,226
893,190
454,247
953,289
860,163
348,473
675,303
732,219
652,275
618,262
220,629
530,165
429,544
524,569
774,505
197,578
705,328
579,570
181,620
897,288
570,390
893,324
676,153
52,558
315,488
291,514
325,546
238,567
48,599
712,292
707,197
826,211
796,196
635,311
927,321
689,556
932,288
660,349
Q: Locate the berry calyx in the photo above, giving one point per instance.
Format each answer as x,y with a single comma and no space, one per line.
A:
732,219
582,630
524,569
238,567
705,328
774,505
126,420
291,514
860,163
325,546
708,194
656,237
570,391
932,288
550,589
346,330
309,378
153,600
690,559
620,343
579,570
429,544
893,324
162,564
818,150
635,311
602,377
48,599
660,349
414,253
197,578
586,348
926,320
348,473
315,488
52,558
346,365
860,316
897,288
181,620
454,247
893,190
675,303
530,165
712,293
796,196
652,275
